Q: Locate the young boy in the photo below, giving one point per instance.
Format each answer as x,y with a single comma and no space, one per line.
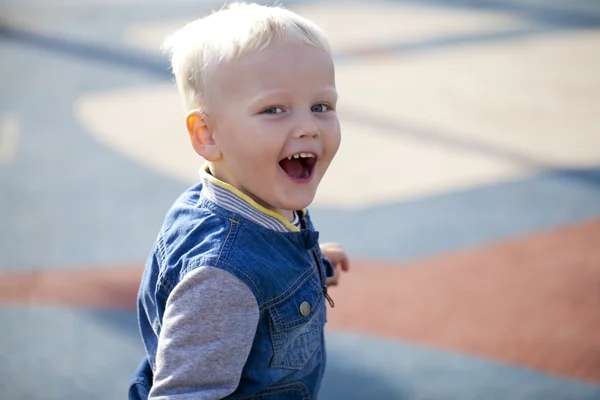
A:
232,300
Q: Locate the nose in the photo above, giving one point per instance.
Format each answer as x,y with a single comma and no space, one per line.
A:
306,126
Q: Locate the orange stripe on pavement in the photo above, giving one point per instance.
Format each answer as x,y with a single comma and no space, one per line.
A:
533,301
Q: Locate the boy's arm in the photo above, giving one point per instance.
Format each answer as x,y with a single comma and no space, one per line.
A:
208,328
338,259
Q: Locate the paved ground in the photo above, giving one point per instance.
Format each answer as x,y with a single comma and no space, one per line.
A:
472,127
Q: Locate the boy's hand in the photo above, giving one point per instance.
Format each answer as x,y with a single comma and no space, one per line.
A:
339,259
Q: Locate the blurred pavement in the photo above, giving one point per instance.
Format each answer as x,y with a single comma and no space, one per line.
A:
471,128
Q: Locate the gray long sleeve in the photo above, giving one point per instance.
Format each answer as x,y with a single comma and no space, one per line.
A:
207,332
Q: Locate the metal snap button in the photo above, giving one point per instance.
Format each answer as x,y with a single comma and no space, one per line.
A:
305,308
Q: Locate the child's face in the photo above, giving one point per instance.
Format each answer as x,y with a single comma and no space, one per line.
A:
271,105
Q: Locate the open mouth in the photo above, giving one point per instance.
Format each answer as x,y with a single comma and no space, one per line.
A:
299,166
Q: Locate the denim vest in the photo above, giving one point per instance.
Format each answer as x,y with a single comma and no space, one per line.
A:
285,271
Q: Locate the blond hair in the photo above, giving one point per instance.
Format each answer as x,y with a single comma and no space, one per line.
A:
197,49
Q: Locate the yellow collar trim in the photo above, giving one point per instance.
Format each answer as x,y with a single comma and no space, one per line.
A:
205,174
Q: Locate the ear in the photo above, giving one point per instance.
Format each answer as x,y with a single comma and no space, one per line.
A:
201,136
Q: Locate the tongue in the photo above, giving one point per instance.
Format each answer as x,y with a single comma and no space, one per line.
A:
295,168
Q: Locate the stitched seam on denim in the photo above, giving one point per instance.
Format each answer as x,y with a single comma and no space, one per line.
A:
315,284
261,306
200,262
274,341
293,292
309,260
165,284
321,266
225,242
274,307
215,211
161,257
160,246
293,288
278,323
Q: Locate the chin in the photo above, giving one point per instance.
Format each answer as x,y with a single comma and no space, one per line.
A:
297,204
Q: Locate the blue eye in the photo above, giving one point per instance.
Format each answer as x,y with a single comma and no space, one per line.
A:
320,108
273,110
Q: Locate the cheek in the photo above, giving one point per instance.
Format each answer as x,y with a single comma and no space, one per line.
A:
265,140
334,138
241,143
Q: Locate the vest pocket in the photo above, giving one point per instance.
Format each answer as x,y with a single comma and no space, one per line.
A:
296,327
